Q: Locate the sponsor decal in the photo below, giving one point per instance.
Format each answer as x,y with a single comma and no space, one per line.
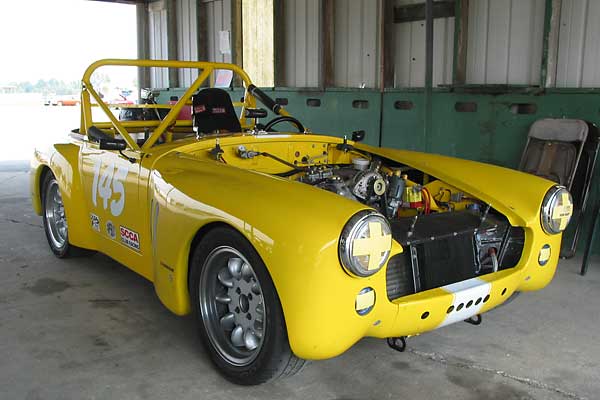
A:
130,238
218,110
110,230
95,221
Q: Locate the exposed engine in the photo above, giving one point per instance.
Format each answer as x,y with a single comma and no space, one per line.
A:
367,182
448,236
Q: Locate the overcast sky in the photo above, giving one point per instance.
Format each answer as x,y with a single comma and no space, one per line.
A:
44,39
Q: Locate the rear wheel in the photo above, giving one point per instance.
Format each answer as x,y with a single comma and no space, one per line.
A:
238,311
55,220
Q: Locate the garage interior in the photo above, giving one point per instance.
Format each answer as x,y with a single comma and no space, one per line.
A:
464,78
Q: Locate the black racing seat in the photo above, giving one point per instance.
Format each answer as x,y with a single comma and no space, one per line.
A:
213,111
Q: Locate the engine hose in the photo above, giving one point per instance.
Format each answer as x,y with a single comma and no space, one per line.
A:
427,201
289,173
293,166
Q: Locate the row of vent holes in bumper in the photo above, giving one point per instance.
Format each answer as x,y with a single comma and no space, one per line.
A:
461,305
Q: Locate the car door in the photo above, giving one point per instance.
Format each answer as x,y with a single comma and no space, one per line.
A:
111,185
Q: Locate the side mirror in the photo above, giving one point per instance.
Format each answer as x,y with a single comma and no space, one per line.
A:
358,136
106,144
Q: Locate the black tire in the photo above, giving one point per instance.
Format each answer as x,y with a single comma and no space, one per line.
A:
274,358
60,248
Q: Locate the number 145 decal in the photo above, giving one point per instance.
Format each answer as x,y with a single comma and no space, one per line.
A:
109,184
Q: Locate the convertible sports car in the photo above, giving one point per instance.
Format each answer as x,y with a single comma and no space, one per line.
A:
288,246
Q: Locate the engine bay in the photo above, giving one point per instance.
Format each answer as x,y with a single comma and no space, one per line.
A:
448,235
395,191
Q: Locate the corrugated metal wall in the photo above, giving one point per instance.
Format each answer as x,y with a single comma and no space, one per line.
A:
504,45
219,19
505,41
409,52
302,43
187,38
356,44
157,24
578,44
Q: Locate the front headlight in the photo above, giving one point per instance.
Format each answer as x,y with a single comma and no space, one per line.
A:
365,243
557,209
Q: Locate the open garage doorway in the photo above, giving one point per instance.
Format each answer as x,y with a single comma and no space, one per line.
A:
51,45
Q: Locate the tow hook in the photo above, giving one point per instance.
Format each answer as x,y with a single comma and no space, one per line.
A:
397,343
474,320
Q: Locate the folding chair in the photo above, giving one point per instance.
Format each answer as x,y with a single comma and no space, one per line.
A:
564,151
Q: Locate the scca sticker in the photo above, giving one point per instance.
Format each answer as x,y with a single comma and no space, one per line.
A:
130,238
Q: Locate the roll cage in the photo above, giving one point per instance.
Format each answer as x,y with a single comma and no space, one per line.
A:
124,128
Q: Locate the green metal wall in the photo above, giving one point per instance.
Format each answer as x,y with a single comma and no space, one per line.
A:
336,115
493,130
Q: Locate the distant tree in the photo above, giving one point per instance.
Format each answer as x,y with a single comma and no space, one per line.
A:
100,81
25,87
46,87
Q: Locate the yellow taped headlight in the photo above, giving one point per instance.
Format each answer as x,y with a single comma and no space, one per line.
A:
557,209
365,243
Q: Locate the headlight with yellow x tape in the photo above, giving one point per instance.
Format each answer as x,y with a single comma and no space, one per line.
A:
557,209
365,243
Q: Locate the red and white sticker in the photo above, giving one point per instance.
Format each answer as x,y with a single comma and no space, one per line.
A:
130,238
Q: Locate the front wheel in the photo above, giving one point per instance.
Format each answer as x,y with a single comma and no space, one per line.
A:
238,312
55,220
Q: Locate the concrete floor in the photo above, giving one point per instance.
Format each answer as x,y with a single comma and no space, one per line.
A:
89,328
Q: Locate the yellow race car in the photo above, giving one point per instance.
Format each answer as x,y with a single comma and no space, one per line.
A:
289,246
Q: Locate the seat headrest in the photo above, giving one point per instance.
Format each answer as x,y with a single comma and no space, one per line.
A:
213,110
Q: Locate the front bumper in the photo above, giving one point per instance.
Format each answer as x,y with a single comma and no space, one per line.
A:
334,325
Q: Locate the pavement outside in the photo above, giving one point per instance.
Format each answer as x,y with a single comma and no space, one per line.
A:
89,328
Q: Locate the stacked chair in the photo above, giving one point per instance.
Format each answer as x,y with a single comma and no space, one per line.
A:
565,151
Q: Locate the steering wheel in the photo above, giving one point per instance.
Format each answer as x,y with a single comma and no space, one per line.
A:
273,106
285,118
